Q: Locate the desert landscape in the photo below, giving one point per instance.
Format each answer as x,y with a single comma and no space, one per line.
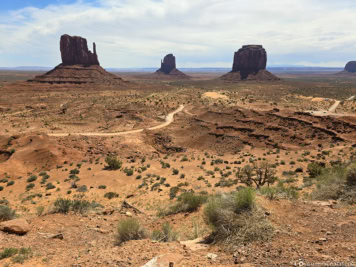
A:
249,168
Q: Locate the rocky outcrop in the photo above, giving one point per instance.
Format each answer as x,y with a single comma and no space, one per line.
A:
169,70
250,58
74,51
17,226
168,64
79,65
249,64
351,67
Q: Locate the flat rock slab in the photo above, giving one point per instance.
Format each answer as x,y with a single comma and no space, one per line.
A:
165,260
17,226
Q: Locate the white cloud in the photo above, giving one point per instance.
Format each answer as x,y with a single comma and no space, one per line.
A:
138,33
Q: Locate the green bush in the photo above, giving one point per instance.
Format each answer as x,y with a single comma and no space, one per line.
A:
129,229
31,179
6,213
187,202
111,195
1,188
102,187
351,176
30,186
315,169
112,163
8,253
166,234
10,183
62,205
50,186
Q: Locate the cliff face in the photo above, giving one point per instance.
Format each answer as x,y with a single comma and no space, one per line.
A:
168,64
74,51
351,66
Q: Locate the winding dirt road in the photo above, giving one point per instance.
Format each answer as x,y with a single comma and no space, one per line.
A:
168,120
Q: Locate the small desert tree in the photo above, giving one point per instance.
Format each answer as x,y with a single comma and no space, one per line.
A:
112,163
258,174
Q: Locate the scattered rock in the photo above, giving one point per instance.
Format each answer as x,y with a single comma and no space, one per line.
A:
196,244
16,226
211,256
56,236
128,214
165,260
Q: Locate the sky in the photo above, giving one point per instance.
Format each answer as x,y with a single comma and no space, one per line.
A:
200,33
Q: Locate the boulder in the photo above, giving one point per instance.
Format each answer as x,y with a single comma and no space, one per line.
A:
351,67
16,226
74,51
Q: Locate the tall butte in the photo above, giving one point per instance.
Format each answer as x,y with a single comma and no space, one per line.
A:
250,64
79,65
350,67
169,69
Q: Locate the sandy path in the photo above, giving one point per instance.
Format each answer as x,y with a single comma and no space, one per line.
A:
334,106
168,120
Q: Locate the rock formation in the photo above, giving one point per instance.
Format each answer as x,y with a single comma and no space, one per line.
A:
168,64
249,64
351,67
79,65
74,51
169,69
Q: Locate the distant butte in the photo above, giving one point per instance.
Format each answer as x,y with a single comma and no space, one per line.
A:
250,64
169,69
351,67
79,65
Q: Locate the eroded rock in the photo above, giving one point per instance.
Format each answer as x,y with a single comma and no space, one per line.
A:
16,226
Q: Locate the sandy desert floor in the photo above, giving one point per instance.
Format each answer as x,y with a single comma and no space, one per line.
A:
190,135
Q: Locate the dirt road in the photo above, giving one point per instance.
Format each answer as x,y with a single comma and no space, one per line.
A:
168,120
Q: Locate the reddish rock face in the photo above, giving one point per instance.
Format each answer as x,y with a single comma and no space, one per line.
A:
351,66
250,59
74,51
168,64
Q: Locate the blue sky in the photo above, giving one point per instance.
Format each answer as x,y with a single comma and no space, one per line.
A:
201,33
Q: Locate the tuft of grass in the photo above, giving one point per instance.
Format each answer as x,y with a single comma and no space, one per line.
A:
6,213
187,202
81,206
235,219
111,195
129,229
166,234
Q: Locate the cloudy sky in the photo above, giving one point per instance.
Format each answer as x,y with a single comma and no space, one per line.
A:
201,33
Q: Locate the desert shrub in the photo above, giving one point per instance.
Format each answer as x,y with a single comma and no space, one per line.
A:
129,172
258,174
129,229
40,210
279,191
8,253
30,186
50,186
111,195
1,188
10,183
82,189
22,255
187,202
351,176
315,169
112,163
166,234
235,219
31,179
175,171
80,206
173,192
102,187
336,183
6,213
62,205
